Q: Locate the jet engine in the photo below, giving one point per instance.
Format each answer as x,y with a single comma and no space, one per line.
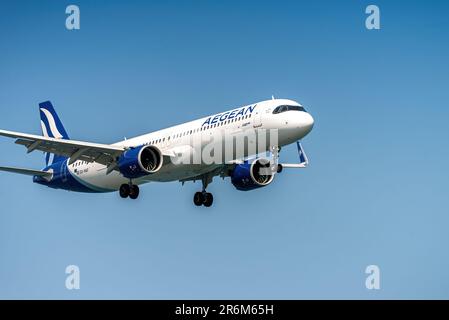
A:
249,176
140,161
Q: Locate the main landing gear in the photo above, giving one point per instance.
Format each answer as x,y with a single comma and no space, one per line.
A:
129,190
204,198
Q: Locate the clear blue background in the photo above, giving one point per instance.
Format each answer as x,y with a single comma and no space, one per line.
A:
376,191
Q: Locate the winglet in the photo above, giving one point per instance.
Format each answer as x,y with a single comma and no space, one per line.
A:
303,160
302,155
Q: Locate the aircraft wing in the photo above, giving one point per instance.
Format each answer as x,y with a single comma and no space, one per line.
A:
75,150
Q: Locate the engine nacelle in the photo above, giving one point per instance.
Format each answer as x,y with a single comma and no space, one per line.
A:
248,176
140,161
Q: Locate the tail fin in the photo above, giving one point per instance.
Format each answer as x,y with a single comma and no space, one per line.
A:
51,127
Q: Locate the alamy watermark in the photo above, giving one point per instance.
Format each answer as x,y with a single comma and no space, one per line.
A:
73,22
372,282
372,22
72,282
225,146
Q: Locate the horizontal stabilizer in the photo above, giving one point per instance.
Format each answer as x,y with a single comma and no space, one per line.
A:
27,172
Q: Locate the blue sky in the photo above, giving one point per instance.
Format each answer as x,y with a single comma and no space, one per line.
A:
375,193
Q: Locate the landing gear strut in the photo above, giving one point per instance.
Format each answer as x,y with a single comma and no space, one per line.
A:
129,190
204,198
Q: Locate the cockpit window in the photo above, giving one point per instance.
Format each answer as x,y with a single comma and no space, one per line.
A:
285,108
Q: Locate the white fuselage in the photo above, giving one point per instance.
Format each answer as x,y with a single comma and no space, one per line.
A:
178,140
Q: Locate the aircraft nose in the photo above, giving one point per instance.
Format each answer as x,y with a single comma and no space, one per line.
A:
307,122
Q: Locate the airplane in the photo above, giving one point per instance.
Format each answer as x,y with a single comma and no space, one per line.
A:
161,156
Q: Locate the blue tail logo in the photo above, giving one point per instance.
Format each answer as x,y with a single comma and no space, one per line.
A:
51,128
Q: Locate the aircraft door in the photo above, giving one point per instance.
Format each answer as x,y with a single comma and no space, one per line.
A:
257,122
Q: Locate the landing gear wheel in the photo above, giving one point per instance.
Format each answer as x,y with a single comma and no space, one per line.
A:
204,198
134,192
208,199
198,199
125,191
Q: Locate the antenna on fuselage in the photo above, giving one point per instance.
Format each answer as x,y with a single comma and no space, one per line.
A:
272,97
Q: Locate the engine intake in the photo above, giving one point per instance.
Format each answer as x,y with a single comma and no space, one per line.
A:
250,176
140,161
